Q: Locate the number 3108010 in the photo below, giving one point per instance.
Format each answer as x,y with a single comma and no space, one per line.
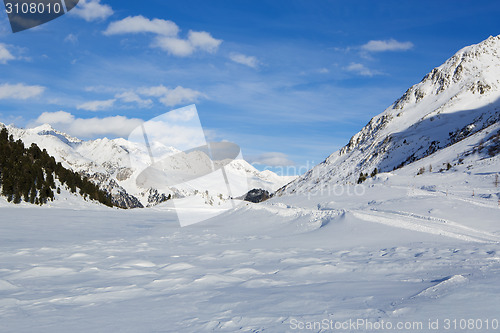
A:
33,8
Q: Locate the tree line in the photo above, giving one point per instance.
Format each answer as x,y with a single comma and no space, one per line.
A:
28,174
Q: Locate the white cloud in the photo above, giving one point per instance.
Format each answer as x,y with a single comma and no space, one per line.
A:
141,24
166,37
141,97
361,69
5,54
19,91
91,10
132,97
180,95
155,91
242,59
184,47
58,117
91,127
174,46
97,105
386,45
204,41
272,159
172,97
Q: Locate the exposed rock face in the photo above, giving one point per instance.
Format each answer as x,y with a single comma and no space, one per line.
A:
257,195
155,197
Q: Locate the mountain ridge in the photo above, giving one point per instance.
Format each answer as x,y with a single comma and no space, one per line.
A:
114,164
452,102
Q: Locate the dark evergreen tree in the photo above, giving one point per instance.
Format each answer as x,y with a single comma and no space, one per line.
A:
30,174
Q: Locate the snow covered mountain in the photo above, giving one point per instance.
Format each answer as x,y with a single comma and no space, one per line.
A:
115,165
456,101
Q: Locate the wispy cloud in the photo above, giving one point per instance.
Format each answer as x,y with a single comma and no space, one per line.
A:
20,91
361,69
272,159
71,39
172,97
166,38
242,59
132,97
386,45
5,54
197,40
92,10
97,105
142,97
88,127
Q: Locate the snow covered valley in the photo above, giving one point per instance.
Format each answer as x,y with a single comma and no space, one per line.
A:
384,253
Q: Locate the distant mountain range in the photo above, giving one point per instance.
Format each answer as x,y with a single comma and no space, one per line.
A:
451,117
115,164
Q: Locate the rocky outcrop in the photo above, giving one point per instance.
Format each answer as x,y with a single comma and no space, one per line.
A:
257,195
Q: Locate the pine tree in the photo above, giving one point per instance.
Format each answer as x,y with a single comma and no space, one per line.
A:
30,173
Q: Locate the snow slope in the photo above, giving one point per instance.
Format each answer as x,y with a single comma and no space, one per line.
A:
454,101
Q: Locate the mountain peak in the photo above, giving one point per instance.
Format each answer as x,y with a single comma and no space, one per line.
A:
475,68
44,128
455,101
47,129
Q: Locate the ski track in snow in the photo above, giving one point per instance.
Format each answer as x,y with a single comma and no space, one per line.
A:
426,224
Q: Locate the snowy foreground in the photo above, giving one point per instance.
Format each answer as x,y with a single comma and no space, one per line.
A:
392,254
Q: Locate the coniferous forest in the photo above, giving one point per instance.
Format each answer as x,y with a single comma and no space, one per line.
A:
28,174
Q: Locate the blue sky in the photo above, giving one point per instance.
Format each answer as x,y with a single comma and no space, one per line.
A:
289,81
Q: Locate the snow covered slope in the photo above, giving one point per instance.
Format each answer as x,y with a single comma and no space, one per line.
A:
394,254
115,165
453,102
